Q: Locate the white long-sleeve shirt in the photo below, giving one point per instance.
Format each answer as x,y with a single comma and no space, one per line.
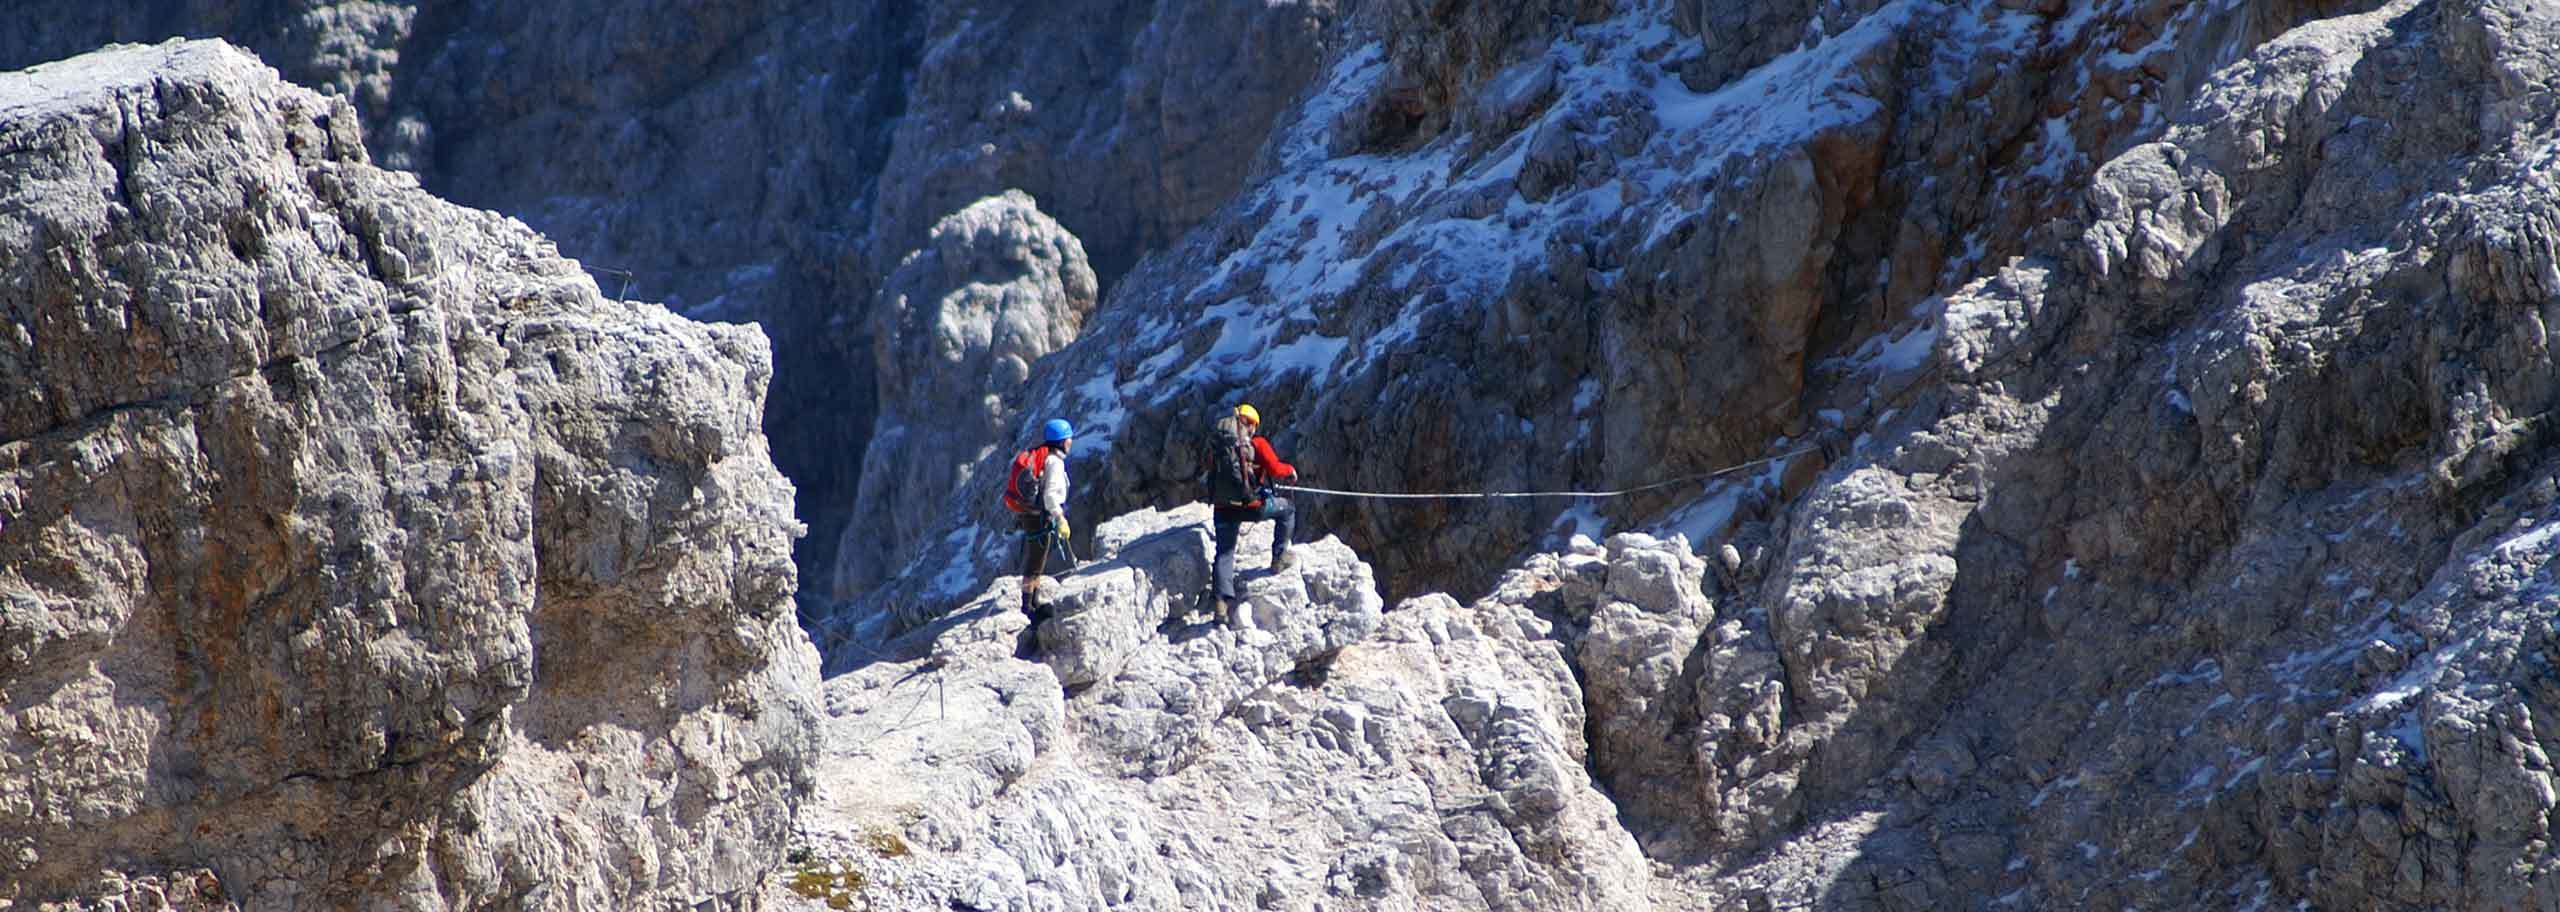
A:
1053,484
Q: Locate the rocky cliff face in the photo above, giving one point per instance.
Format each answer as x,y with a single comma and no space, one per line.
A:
2275,568
358,552
2160,514
2178,383
777,160
1494,232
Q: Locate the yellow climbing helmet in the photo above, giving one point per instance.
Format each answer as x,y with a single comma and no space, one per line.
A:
1247,413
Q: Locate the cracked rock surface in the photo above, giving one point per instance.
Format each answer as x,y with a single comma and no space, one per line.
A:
1325,755
358,553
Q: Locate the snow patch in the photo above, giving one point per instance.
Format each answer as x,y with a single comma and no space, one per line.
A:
2410,732
1583,520
959,576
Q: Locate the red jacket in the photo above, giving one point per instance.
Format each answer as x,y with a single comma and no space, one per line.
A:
1269,462
1268,467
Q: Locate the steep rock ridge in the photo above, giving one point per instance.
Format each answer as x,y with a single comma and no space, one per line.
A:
1515,239
775,161
358,551
956,331
1327,756
726,156
2248,476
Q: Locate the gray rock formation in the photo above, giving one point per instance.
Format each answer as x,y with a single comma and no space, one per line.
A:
2253,610
776,161
1432,758
358,552
2159,513
1507,247
955,333
1131,119
2173,535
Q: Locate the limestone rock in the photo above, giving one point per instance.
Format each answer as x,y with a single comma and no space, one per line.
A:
360,553
957,329
1429,759
2174,542
776,161
1503,229
2242,616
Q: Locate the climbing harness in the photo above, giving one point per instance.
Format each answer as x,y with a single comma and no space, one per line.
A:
1058,544
1488,495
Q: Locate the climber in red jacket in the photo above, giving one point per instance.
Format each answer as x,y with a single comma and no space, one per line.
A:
1242,468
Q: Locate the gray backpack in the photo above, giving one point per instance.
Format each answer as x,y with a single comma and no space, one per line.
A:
1229,464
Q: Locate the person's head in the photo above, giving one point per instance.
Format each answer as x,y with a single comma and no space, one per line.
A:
1058,434
1252,419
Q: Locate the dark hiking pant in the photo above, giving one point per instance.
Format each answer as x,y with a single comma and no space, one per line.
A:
1229,519
1036,544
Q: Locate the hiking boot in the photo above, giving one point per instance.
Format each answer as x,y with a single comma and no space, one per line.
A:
1284,560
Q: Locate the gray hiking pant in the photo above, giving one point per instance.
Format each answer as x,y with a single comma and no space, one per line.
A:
1228,519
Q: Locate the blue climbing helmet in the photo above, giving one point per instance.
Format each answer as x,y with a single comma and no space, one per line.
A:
1057,430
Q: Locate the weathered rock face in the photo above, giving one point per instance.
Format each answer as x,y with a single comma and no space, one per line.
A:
358,552
1131,119
2177,536
2174,532
1495,230
957,329
2211,570
1325,755
776,161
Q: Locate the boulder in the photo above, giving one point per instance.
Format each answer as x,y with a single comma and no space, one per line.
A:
359,552
956,331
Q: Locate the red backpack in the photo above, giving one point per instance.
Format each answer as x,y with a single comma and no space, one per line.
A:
1031,462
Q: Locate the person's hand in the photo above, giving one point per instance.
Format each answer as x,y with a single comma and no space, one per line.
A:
1065,530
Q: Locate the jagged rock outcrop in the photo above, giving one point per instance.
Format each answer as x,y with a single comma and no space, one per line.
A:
1494,230
2211,573
1132,119
358,552
2178,382
1327,755
775,161
1671,687
958,326
2159,394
